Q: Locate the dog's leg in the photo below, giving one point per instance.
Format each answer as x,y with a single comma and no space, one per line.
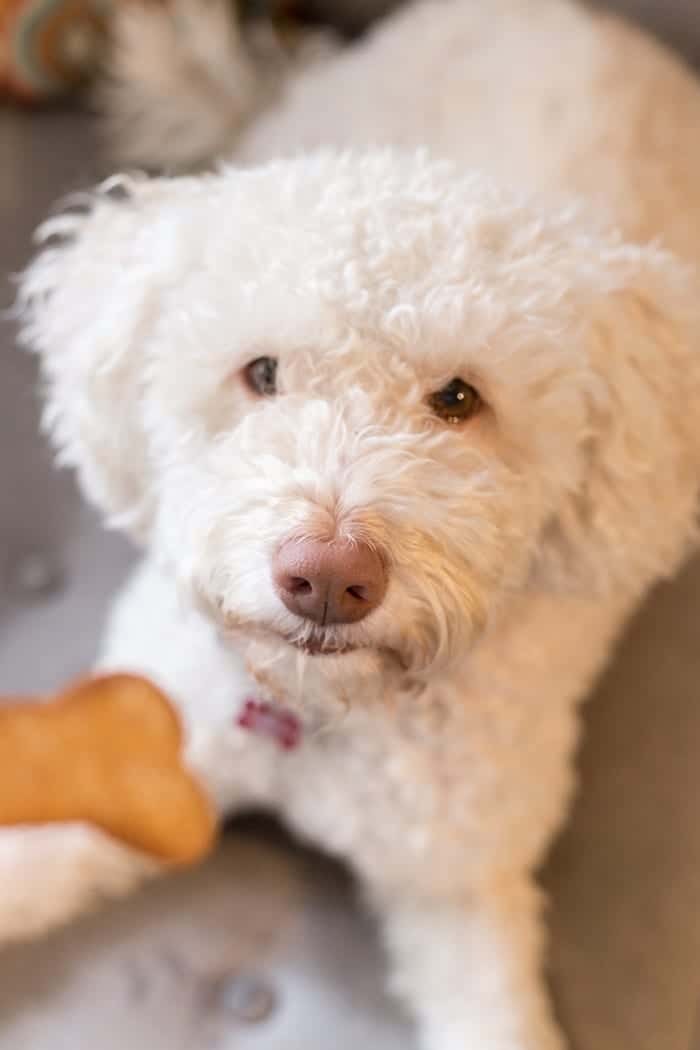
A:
52,873
469,969
150,632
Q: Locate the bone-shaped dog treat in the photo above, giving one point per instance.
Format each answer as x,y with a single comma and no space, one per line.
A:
105,752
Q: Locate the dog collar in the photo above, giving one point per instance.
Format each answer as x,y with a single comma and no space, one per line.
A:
271,720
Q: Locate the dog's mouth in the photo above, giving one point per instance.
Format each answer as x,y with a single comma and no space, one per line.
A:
315,644
321,645
310,643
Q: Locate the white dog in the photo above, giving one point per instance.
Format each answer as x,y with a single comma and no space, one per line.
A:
405,440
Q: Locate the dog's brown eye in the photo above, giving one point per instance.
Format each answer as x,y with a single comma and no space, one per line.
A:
456,402
261,376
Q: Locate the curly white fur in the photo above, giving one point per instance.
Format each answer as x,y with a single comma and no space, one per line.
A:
437,756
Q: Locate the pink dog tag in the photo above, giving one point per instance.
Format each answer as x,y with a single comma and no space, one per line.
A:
270,720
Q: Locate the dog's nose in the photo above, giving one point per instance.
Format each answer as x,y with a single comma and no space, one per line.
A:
329,582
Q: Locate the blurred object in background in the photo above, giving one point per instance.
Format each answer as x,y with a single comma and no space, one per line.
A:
677,22
49,47
349,16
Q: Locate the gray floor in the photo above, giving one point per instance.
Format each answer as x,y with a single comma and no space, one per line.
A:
625,877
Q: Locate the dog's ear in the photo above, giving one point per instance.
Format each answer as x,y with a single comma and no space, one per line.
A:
634,515
86,306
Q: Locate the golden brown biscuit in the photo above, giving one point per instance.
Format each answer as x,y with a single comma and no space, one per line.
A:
107,752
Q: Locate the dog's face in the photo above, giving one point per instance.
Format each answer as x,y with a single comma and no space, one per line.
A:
354,404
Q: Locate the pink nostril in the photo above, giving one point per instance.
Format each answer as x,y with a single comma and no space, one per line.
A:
298,585
329,582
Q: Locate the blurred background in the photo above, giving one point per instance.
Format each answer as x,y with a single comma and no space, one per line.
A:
270,939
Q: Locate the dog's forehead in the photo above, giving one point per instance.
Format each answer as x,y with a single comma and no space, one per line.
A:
358,227
387,234
326,252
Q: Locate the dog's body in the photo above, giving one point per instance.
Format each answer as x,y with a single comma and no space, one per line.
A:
538,93
436,758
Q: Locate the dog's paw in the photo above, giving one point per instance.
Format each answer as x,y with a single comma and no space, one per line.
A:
51,873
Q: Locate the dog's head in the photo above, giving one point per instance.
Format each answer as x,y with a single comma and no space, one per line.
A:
354,402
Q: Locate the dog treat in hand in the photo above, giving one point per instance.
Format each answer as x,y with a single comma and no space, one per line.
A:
105,752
